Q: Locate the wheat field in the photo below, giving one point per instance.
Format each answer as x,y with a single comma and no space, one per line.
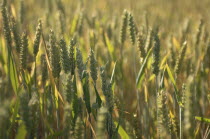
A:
105,69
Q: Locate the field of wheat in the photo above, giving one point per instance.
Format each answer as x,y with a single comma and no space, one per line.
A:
105,69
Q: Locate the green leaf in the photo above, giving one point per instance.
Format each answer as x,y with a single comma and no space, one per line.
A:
113,72
173,82
85,85
98,98
164,60
2,59
122,132
117,127
21,132
110,46
140,81
162,79
75,98
14,114
74,24
3,52
27,78
171,76
13,76
141,71
202,119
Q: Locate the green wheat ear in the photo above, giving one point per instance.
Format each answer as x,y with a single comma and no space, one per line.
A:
44,68
24,51
79,129
37,38
71,55
173,126
156,54
6,28
21,12
61,20
65,61
92,39
137,126
111,128
60,6
180,58
107,90
80,24
54,56
123,27
183,95
80,65
132,30
93,66
16,35
25,110
141,45
149,38
199,32
165,111
69,90
101,123
185,30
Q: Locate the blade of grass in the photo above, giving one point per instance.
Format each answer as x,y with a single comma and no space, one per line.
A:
201,119
110,47
98,98
21,132
174,83
143,66
122,132
86,93
13,76
113,72
14,114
